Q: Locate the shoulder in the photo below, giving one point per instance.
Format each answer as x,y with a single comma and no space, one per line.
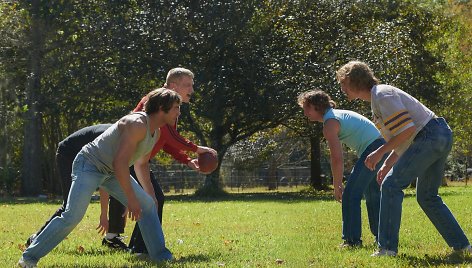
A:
140,106
133,123
331,128
330,113
384,91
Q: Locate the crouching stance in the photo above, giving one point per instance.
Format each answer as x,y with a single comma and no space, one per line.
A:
105,163
359,134
419,142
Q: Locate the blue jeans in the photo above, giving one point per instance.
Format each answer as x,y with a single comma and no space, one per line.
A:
424,160
85,180
362,181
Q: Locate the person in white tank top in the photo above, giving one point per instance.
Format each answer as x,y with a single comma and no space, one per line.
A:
130,139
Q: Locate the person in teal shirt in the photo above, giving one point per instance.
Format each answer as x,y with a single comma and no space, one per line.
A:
361,135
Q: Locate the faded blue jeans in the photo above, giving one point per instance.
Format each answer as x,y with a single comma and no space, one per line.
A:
424,161
85,180
361,182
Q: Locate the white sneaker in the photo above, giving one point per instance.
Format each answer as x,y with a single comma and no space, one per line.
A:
26,264
384,252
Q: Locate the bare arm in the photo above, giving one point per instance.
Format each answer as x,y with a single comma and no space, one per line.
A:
373,158
104,224
132,132
142,169
387,165
330,132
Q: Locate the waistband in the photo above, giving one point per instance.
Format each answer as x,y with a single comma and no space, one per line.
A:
433,125
373,145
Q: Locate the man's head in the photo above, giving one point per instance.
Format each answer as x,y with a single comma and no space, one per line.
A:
161,99
181,81
315,103
356,76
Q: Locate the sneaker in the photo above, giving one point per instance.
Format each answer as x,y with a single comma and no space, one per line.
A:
468,250
30,240
349,245
26,264
465,251
115,243
384,252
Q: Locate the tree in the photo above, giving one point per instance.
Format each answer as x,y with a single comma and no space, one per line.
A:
271,149
251,59
456,80
32,118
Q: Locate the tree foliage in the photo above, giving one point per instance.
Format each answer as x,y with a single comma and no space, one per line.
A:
96,59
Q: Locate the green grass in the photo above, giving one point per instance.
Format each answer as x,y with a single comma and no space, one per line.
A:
244,230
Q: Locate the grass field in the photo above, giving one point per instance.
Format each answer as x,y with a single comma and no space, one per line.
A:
286,229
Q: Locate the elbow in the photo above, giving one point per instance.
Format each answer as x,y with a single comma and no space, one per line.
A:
140,163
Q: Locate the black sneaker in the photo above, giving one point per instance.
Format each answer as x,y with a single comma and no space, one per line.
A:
349,245
115,243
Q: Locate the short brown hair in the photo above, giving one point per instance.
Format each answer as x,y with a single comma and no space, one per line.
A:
319,99
161,99
360,76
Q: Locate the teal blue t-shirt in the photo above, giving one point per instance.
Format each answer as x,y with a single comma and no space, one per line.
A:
356,131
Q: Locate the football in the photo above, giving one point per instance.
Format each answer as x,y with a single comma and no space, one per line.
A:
207,162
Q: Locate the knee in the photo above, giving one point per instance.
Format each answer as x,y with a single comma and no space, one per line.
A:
350,196
71,219
160,198
147,203
424,198
389,185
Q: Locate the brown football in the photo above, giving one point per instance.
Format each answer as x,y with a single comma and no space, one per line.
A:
207,162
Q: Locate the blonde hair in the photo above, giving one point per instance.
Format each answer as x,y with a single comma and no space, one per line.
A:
359,75
319,99
176,73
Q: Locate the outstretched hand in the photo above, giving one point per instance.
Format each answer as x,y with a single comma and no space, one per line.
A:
103,225
382,173
338,193
373,159
193,164
134,209
203,149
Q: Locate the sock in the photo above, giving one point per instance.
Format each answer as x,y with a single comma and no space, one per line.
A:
110,236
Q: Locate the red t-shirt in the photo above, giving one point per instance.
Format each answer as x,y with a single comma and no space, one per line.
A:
170,140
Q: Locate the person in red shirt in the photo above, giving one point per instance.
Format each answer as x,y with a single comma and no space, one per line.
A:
181,81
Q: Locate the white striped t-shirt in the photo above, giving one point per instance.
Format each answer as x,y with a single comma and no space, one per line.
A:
395,110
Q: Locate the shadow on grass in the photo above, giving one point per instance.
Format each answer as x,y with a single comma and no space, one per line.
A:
29,200
135,261
429,261
190,259
273,196
258,197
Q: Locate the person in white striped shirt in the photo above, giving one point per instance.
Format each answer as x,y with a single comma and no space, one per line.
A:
419,142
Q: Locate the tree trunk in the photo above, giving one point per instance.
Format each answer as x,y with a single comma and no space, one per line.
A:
3,131
31,168
272,176
212,186
316,180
